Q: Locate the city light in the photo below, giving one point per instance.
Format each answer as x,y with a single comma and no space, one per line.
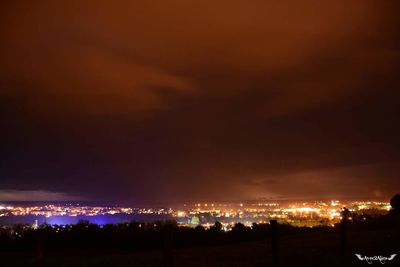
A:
308,214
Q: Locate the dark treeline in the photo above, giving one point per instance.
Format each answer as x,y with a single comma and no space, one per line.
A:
137,236
132,236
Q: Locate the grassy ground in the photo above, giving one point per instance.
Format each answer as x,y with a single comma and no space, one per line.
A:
308,249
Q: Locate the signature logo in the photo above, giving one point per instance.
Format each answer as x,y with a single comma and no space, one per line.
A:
381,259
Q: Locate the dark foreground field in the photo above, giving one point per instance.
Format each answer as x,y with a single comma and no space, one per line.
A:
302,249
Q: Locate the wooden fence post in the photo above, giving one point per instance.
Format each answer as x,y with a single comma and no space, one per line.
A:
40,248
343,240
345,213
274,242
168,246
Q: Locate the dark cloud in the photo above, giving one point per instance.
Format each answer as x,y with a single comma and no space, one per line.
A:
171,100
35,195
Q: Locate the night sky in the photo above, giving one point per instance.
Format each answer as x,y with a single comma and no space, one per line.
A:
146,101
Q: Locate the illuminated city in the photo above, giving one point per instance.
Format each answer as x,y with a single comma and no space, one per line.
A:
308,214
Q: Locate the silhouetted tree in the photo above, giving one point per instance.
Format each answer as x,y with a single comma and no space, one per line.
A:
217,227
239,227
200,229
345,213
395,202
